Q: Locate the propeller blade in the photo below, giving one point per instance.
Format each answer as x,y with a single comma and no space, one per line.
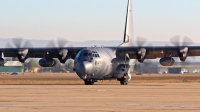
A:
175,40
17,42
187,41
51,43
28,44
141,41
8,45
62,42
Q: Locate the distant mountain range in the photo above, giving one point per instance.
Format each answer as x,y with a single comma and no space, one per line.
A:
43,43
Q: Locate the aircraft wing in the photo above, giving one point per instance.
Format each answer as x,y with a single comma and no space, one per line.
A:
139,53
70,52
159,52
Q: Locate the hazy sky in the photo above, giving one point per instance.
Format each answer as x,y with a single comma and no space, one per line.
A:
81,20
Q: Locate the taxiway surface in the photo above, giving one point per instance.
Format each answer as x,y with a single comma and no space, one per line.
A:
135,97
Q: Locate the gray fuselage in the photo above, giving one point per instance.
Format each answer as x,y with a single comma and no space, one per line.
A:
97,63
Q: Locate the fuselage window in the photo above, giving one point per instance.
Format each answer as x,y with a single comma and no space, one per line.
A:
93,55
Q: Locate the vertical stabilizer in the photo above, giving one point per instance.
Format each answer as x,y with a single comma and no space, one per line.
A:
128,37
128,32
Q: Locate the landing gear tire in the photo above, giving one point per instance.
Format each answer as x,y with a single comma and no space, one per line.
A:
123,81
89,81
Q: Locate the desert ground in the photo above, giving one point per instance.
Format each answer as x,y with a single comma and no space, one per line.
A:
67,93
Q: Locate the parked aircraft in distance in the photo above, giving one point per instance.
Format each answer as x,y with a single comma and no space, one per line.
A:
101,63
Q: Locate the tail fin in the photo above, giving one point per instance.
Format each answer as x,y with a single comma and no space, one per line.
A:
128,32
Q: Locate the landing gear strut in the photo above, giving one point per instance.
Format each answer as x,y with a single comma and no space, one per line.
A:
89,81
123,81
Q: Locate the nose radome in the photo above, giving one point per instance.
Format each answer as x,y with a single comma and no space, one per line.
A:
87,67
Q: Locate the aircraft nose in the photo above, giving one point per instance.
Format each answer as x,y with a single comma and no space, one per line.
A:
86,68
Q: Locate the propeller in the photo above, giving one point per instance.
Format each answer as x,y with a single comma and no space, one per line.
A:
60,44
140,41
186,41
19,43
176,41
141,52
22,47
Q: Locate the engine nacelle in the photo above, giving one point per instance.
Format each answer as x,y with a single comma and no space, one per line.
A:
183,53
62,56
167,61
2,62
23,55
47,62
141,55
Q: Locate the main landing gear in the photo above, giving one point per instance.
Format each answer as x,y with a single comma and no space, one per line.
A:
89,81
124,80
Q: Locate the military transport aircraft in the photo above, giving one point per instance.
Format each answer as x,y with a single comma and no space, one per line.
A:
101,63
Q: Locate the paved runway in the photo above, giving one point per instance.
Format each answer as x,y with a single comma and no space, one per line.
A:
138,97
71,78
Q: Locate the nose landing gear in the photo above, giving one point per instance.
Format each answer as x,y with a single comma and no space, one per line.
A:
89,81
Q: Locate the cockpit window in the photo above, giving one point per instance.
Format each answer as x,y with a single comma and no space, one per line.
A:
89,54
95,54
